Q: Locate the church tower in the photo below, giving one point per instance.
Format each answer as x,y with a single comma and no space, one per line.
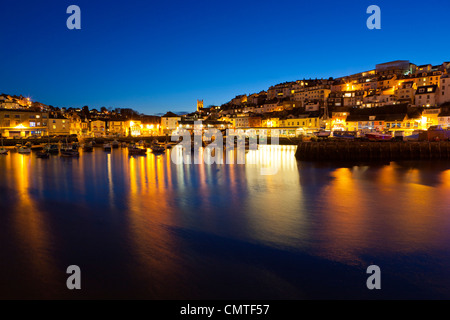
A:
199,105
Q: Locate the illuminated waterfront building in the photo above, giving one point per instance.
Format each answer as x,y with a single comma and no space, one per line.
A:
23,123
169,122
58,125
98,128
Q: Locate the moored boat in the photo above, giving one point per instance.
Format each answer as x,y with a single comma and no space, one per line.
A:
69,153
88,147
115,144
24,150
348,135
322,134
134,150
378,136
52,148
158,149
107,146
69,150
3,151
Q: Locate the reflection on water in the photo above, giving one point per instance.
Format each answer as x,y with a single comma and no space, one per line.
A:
144,227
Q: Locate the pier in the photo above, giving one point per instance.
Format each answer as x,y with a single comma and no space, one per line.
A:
372,151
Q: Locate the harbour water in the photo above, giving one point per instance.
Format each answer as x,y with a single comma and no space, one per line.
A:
144,227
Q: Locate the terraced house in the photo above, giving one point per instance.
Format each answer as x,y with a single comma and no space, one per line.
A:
58,125
23,123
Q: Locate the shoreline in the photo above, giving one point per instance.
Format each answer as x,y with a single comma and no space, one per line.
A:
13,142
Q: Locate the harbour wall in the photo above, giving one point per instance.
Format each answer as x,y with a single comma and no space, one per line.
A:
372,151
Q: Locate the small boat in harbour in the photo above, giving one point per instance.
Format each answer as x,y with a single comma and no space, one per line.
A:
3,151
52,148
322,134
24,150
134,150
347,135
69,151
158,149
378,136
115,144
107,146
88,147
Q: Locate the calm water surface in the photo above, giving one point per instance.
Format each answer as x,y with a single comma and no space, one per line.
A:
143,227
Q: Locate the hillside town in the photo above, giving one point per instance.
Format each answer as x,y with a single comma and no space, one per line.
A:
396,96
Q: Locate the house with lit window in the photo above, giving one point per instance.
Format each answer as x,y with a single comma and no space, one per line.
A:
116,127
444,118
58,125
430,117
98,128
133,128
7,102
269,107
240,121
295,125
75,124
365,122
23,123
169,122
398,117
444,89
401,122
426,96
270,122
338,121
406,92
150,125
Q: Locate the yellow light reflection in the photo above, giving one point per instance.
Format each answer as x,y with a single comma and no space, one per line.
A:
32,232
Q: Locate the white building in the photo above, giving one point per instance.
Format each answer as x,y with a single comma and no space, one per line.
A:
444,89
426,96
169,122
444,119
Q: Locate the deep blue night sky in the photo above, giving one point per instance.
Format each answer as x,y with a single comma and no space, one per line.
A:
159,56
